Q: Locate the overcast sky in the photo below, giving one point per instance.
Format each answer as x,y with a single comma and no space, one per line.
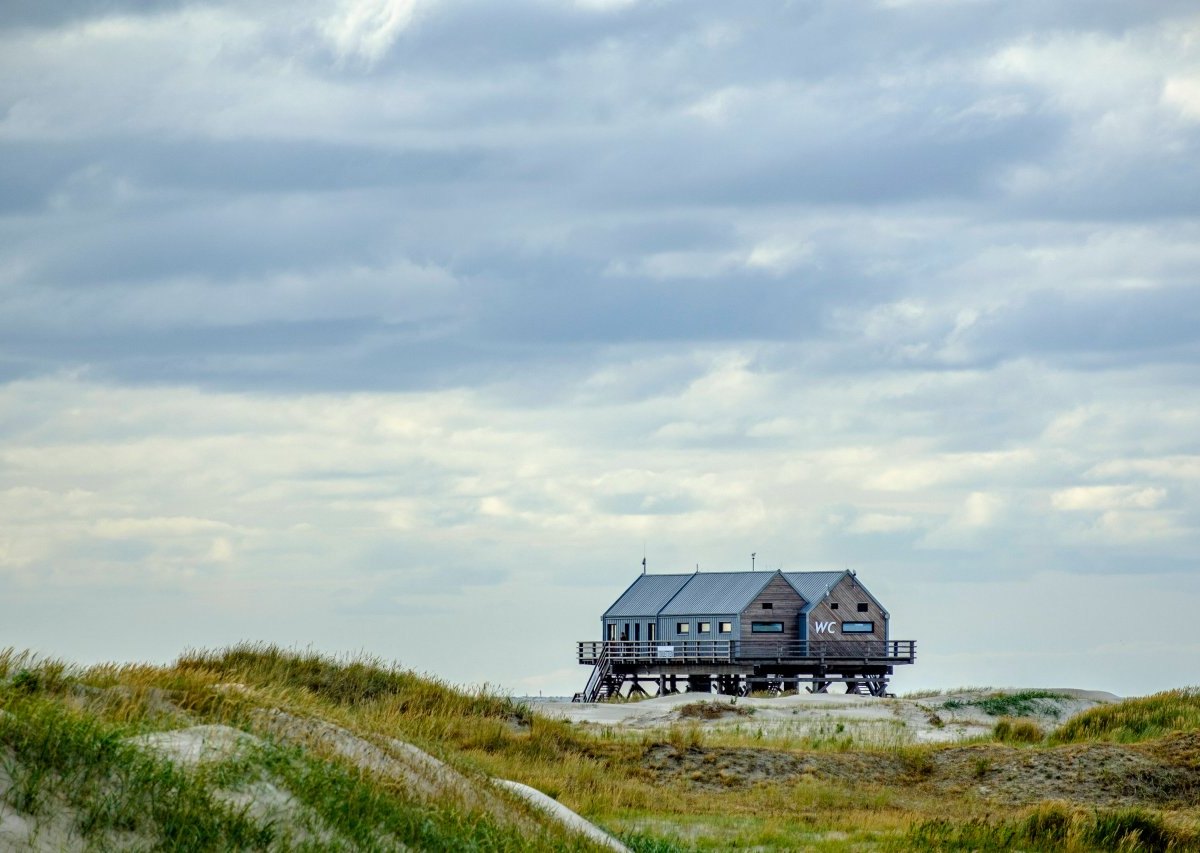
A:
404,326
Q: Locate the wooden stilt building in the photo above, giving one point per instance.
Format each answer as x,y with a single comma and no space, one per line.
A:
738,632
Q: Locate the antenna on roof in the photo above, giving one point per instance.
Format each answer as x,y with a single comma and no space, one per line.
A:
643,556
697,568
753,554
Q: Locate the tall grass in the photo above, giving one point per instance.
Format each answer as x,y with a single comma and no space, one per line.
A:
57,754
1056,826
1135,719
64,738
889,791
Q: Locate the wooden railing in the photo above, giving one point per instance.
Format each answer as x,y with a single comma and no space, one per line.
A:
688,651
889,650
627,651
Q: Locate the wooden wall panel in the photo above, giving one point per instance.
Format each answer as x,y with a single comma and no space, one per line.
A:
786,605
847,595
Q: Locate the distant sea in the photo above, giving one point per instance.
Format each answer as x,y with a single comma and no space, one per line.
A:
541,700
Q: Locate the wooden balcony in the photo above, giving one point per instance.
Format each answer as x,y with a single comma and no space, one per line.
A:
749,652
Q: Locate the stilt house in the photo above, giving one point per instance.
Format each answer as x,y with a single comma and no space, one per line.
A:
739,631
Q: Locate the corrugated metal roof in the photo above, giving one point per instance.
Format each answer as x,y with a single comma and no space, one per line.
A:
717,592
710,593
812,586
647,595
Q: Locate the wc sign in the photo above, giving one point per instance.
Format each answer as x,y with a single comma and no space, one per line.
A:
824,627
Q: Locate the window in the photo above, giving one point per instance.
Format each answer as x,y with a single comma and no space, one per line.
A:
766,627
767,605
858,627
862,607
682,627
637,630
725,627
650,632
833,605
704,628
612,630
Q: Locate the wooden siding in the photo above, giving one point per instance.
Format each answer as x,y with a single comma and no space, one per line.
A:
668,626
786,605
847,594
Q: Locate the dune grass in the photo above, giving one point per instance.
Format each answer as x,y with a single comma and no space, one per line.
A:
1020,703
65,748
58,755
1056,826
1135,720
64,740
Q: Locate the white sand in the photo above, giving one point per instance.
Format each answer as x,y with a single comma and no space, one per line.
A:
925,719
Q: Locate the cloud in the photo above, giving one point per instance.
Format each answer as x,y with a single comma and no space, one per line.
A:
366,29
1092,498
331,321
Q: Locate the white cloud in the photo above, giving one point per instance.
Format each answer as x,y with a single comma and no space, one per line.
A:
314,315
1096,498
879,522
366,29
1183,93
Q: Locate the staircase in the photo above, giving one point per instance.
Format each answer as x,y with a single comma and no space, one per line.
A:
868,687
600,684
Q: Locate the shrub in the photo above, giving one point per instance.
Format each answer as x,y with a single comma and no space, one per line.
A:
713,710
1009,730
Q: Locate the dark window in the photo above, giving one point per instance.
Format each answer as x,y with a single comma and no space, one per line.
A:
767,605
766,627
612,630
833,606
650,632
725,627
858,627
704,628
637,630
682,627
862,607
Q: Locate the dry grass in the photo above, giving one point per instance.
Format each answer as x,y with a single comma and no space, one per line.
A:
681,788
1135,720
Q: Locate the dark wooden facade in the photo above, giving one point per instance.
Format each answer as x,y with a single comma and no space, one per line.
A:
778,603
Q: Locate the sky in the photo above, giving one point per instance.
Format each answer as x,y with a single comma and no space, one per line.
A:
408,327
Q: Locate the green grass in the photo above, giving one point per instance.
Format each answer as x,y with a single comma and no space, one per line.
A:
54,755
1023,703
64,739
1135,720
1055,826
1008,730
65,748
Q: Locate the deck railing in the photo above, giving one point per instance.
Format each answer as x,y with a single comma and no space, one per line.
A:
629,651
726,651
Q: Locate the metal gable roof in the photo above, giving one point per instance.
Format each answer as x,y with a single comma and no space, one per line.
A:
813,586
647,595
717,592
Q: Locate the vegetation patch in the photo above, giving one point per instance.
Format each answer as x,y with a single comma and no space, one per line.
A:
1135,720
1056,826
259,748
713,710
1022,703
1008,730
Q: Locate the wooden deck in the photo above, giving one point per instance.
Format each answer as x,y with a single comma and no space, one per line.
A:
740,666
749,652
